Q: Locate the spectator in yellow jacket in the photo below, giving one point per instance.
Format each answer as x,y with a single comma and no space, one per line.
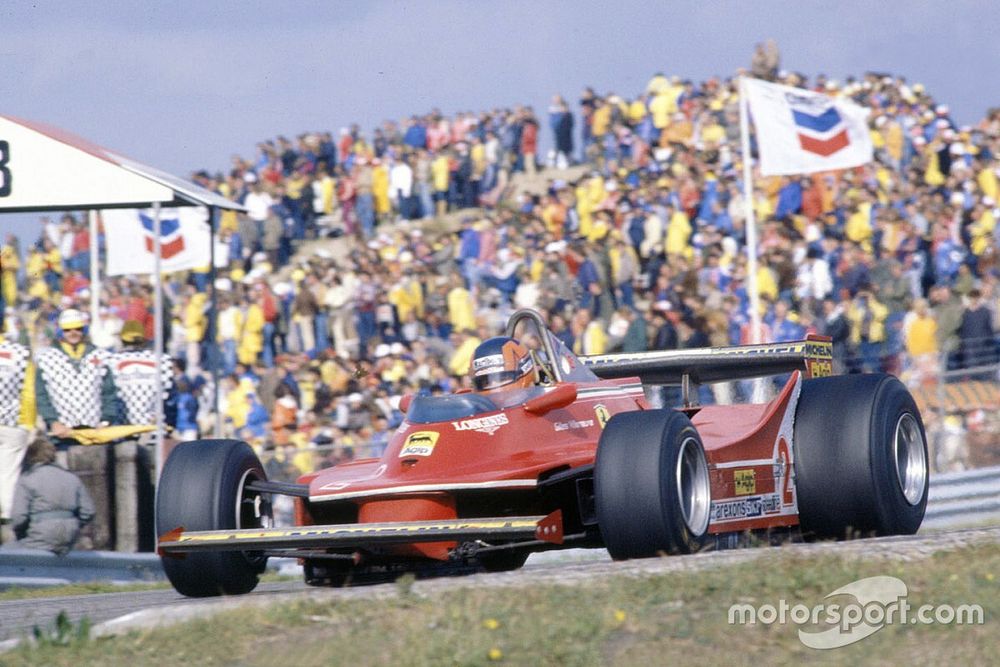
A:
461,309
380,188
920,330
407,296
10,263
590,335
678,233
440,176
859,227
601,120
195,324
465,342
252,339
237,404
867,318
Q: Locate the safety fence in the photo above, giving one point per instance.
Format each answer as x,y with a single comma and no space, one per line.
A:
961,414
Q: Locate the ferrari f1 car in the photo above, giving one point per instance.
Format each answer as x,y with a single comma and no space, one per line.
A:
581,458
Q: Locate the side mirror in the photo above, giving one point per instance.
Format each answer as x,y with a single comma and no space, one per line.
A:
404,403
560,397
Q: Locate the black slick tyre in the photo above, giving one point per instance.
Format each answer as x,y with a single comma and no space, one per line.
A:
860,458
203,486
651,485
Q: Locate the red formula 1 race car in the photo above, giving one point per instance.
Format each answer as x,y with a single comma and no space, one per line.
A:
579,457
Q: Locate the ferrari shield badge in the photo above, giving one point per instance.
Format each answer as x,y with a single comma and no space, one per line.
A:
602,414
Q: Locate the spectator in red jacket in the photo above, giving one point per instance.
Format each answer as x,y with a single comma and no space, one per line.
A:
529,141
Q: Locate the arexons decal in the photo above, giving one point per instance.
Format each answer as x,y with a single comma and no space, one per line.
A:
746,508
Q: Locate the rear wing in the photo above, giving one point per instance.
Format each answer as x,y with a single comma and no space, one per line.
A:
813,356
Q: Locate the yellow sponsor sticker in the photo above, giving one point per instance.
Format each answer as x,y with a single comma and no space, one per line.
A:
419,443
820,368
602,414
745,482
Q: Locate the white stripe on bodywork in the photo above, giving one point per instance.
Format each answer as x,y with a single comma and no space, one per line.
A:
423,488
745,464
602,392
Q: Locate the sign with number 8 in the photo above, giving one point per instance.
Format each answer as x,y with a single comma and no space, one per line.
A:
5,178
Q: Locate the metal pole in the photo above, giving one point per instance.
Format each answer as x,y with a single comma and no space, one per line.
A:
760,390
751,223
212,318
95,278
158,334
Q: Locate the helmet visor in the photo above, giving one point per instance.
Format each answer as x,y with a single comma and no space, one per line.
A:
494,379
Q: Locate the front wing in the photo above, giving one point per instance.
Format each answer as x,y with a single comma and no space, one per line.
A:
545,528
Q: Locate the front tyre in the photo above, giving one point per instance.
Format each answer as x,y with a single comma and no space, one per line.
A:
204,486
651,485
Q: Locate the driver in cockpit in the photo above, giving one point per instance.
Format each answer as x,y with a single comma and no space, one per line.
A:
502,363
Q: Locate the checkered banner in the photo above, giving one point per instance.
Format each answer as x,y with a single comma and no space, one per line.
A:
13,366
74,386
134,374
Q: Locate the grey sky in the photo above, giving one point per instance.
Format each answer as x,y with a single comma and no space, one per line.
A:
183,85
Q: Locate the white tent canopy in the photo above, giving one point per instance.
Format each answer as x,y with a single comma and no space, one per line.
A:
43,168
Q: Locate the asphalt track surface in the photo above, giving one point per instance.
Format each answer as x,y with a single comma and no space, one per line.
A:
115,613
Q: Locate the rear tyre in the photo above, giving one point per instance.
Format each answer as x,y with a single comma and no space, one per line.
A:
651,485
203,486
860,458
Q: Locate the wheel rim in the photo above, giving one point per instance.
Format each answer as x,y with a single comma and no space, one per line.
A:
911,458
253,510
692,486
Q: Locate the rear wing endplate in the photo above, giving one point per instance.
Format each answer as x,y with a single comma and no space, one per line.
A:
813,357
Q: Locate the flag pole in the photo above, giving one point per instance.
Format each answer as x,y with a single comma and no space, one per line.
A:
213,309
750,225
158,334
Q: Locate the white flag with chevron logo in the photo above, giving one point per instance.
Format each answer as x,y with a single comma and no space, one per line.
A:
801,132
184,240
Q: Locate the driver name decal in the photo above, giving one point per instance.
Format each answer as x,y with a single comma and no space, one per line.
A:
573,424
488,425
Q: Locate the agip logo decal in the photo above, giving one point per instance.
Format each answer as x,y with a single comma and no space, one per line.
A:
419,443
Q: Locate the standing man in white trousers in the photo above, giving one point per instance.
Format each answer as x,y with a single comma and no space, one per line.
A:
17,421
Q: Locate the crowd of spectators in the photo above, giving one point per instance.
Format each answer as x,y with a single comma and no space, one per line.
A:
634,242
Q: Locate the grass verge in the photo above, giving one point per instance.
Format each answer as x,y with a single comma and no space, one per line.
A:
653,620
96,587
